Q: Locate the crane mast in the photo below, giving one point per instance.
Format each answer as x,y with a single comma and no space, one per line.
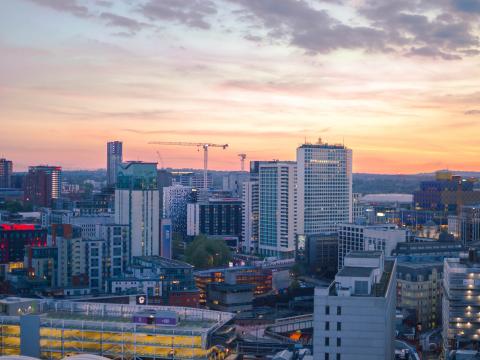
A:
205,147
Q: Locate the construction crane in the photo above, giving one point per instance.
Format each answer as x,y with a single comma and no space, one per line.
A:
205,147
161,159
242,161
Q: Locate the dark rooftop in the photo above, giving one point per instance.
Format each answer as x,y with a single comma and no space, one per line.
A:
355,271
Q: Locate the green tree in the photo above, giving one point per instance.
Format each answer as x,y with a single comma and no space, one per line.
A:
204,252
16,206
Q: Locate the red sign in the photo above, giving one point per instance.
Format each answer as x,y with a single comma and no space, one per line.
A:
8,227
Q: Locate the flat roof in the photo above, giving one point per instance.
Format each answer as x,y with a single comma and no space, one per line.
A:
365,254
163,262
356,271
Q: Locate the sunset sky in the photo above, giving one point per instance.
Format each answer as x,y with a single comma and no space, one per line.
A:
398,81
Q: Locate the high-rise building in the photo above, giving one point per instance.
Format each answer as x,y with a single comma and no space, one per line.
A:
137,205
175,199
114,159
277,208
354,317
324,189
461,308
6,168
43,185
359,237
250,217
164,179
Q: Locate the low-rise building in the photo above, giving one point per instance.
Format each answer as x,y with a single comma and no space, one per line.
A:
230,297
51,329
164,281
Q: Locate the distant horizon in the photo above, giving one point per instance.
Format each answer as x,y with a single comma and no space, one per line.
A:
246,171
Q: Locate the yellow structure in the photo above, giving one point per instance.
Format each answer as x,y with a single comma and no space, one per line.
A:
67,328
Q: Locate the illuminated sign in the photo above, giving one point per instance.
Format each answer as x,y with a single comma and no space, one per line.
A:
141,300
8,227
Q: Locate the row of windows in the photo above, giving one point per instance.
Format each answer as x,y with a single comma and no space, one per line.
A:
327,341
327,326
327,310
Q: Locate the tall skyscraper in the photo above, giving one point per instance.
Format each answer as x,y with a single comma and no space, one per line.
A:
6,167
250,210
277,208
43,185
114,159
324,189
137,205
250,217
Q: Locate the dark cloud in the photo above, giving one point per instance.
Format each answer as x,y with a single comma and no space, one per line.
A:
68,6
401,25
472,112
468,6
130,24
193,13
314,30
448,35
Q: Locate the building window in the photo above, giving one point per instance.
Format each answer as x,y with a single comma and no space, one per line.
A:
327,325
327,341
339,357
327,310
327,356
339,326
339,310
339,342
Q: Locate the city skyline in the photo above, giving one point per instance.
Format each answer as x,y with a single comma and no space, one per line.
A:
397,83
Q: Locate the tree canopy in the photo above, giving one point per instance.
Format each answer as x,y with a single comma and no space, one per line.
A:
204,252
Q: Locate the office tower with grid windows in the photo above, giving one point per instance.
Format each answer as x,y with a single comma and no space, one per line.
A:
277,208
324,189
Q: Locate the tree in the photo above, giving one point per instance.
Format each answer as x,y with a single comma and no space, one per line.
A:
16,206
204,252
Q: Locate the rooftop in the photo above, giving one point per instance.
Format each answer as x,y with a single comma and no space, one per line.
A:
118,316
365,254
355,271
161,262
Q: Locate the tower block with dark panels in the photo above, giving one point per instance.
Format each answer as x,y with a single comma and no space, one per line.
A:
114,159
